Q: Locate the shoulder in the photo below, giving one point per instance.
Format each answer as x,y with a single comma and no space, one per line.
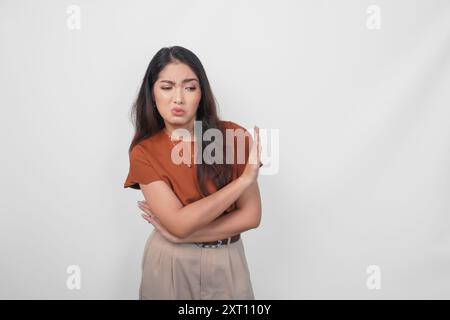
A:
138,154
147,147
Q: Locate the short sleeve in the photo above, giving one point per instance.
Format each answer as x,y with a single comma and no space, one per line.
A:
141,170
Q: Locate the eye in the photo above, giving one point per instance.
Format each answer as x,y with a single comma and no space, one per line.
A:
191,88
165,88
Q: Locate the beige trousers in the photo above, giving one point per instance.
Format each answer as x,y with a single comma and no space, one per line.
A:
186,271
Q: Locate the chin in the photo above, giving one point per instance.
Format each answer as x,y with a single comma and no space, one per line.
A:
185,118
177,120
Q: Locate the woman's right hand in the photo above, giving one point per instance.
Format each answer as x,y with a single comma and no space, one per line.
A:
251,170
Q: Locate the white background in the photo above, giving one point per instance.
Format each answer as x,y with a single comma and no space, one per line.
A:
363,116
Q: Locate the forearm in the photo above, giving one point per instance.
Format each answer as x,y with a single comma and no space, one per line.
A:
200,213
223,227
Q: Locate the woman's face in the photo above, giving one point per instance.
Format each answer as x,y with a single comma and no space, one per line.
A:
177,86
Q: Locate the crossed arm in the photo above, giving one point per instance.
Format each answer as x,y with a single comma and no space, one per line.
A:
234,222
200,221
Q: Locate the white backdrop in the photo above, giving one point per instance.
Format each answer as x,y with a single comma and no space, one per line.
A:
359,206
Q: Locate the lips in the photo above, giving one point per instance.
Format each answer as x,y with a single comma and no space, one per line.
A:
177,111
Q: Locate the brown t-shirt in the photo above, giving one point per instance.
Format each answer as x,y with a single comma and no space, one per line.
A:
150,160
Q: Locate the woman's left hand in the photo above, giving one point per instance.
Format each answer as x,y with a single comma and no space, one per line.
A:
150,217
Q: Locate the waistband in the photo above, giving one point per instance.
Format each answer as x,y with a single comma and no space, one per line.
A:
218,243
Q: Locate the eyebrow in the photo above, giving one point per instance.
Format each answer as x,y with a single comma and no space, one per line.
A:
185,80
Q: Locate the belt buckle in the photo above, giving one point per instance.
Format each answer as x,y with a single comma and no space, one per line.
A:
210,245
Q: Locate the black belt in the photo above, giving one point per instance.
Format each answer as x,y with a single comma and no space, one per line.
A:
218,243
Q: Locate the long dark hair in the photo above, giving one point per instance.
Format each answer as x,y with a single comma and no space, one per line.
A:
147,121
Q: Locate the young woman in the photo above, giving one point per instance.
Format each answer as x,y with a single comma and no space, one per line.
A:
198,207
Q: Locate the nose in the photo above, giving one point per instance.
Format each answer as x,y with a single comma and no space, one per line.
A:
178,95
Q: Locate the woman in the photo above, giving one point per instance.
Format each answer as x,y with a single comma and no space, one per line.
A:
198,207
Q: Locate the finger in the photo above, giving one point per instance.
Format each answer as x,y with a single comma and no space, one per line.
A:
145,209
145,212
152,221
149,215
148,211
145,216
258,142
144,205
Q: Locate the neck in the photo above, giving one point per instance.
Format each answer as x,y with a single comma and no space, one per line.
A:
169,129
